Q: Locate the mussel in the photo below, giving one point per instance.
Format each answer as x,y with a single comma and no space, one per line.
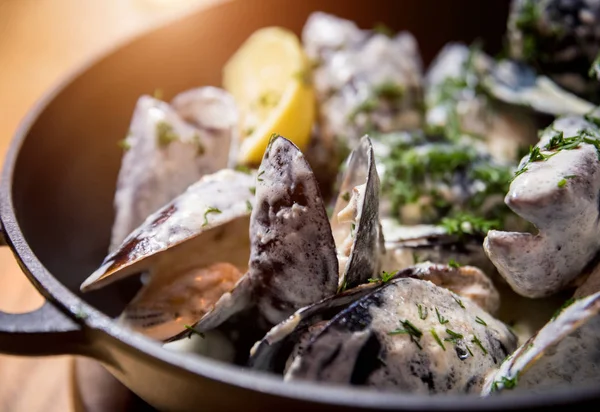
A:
557,189
402,334
365,81
185,277
560,38
293,260
564,352
169,147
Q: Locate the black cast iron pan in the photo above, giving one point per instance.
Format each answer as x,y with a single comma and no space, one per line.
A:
59,179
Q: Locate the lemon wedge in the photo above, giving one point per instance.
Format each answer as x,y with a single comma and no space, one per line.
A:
268,78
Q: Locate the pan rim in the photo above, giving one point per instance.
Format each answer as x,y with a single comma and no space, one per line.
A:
207,368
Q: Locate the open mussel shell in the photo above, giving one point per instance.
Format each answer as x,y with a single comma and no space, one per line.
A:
274,352
407,245
517,83
559,195
363,80
214,211
293,261
407,335
560,38
564,352
355,221
172,300
455,98
169,147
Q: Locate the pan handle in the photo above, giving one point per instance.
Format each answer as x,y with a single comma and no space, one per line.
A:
44,331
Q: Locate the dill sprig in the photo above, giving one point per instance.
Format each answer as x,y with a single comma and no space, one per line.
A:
207,212
441,318
437,338
477,342
480,321
423,312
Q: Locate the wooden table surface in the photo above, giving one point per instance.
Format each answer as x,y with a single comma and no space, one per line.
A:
40,42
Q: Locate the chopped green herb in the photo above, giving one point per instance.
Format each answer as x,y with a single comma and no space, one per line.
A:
563,181
200,146
165,133
409,329
457,300
253,190
382,28
385,277
469,350
248,206
389,91
268,99
259,176
441,319
565,305
344,285
304,76
249,131
480,321
423,312
519,172
454,337
437,338
368,106
210,210
243,169
507,383
273,137
124,144
191,329
352,229
453,264
468,224
346,196
477,342
595,67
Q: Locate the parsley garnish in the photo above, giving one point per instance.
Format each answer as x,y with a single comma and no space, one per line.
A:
441,318
480,321
477,342
519,172
165,133
248,206
194,331
253,190
259,176
346,196
124,144
457,300
423,312
453,264
437,338
210,210
409,329
352,229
